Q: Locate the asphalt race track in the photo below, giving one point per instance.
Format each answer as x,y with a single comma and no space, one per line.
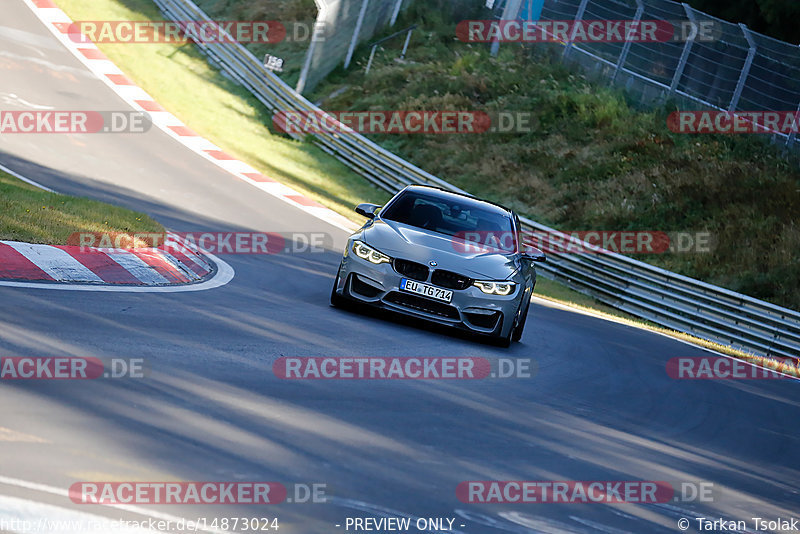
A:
601,406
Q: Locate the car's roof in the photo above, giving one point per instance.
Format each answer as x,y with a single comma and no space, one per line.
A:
435,192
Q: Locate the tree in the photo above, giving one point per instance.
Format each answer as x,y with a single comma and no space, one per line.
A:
776,18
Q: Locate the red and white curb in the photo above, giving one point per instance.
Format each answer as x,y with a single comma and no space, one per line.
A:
175,266
106,270
170,264
59,25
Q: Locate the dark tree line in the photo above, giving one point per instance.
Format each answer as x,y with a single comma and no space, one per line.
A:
777,18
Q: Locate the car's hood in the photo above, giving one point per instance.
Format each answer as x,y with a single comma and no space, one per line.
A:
406,242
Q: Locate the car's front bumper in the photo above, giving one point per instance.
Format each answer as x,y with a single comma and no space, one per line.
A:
470,309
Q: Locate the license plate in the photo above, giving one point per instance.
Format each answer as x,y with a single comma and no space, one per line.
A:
445,295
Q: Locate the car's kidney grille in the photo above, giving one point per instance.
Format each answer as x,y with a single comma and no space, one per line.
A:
411,269
450,280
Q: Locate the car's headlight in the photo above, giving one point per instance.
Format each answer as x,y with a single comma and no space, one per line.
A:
496,288
366,252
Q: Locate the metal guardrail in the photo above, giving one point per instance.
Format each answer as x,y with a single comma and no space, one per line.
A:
654,294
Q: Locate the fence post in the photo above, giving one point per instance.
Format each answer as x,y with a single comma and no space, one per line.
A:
396,12
623,55
322,9
686,51
405,45
578,17
354,40
793,136
510,12
533,10
751,53
371,57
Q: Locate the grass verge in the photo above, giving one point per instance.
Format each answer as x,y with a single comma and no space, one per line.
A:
32,215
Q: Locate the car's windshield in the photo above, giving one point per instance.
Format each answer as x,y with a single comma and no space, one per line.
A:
465,220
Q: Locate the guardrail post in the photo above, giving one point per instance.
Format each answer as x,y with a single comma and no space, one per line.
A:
357,30
510,12
751,53
686,51
578,17
623,55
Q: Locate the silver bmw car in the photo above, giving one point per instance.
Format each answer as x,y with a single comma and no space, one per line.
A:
443,257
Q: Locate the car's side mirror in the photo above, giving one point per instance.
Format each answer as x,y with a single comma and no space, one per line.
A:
534,254
367,210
